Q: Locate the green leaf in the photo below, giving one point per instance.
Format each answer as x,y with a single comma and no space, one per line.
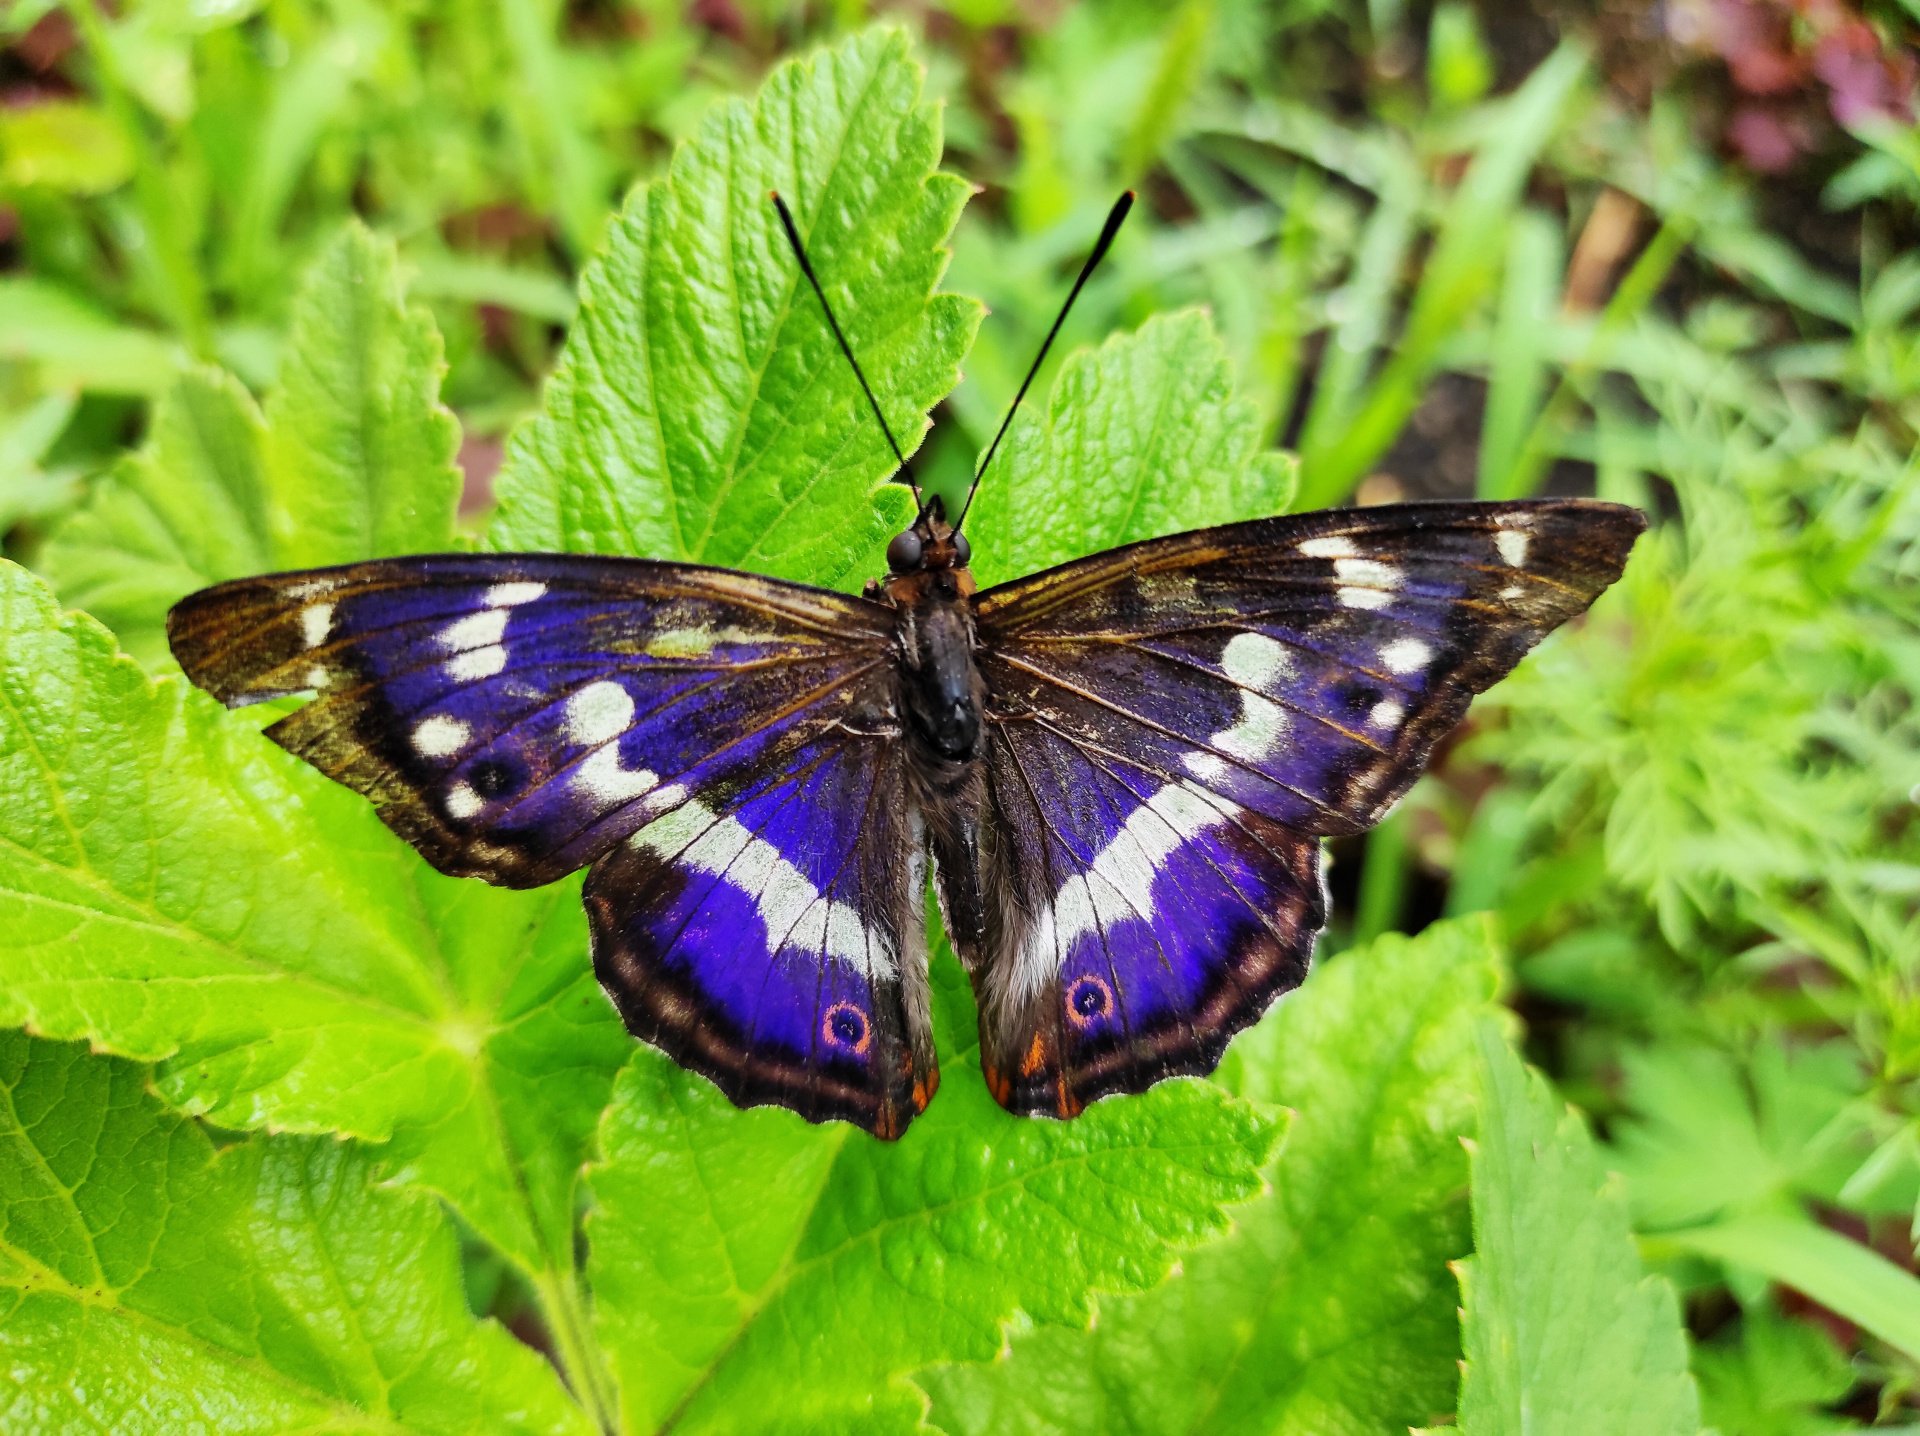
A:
753,1273
1775,1379
1351,426
31,488
1563,1331
1142,436
362,449
1329,1309
1707,1135
700,409
190,508
178,890
151,1283
354,459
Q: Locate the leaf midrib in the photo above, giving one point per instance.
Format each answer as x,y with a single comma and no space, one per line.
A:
44,1278
732,472
143,916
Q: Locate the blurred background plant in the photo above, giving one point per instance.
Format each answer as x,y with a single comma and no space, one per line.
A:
1666,254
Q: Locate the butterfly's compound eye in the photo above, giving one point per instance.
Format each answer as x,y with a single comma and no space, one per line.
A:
962,550
903,554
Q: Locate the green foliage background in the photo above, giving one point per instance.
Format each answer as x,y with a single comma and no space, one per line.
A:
299,1135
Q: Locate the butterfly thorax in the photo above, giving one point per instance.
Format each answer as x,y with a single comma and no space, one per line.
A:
940,685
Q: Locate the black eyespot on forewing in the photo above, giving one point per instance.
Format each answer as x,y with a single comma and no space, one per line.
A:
1360,697
493,778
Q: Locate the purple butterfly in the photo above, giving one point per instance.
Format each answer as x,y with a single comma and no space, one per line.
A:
1121,768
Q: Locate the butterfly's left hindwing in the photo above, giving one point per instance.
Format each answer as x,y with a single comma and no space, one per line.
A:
1173,726
814,877
719,747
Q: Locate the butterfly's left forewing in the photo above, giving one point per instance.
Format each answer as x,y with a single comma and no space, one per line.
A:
514,716
1173,726
718,746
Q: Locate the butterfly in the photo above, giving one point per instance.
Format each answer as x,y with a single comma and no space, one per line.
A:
1117,773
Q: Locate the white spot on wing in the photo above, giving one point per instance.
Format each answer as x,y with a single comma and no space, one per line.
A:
1206,767
1256,660
598,713
1335,547
1373,583
477,663
1386,714
510,595
1406,655
794,911
1263,723
439,736
316,622
1513,546
463,802
1367,570
602,776
1117,886
1513,590
476,630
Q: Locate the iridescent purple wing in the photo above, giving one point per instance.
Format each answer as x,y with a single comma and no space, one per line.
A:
700,736
513,717
1175,724
814,880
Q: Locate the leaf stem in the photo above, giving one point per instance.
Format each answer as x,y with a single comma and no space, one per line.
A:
564,1310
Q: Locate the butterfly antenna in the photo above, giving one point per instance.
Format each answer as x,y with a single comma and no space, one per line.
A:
806,268
1115,217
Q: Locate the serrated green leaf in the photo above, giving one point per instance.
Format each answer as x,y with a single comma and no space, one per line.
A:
753,1273
176,889
150,1283
1563,1331
189,509
1142,436
700,409
354,459
1772,1376
1329,1309
1706,1135
362,449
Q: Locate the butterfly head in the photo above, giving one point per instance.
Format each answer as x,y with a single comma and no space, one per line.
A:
928,560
